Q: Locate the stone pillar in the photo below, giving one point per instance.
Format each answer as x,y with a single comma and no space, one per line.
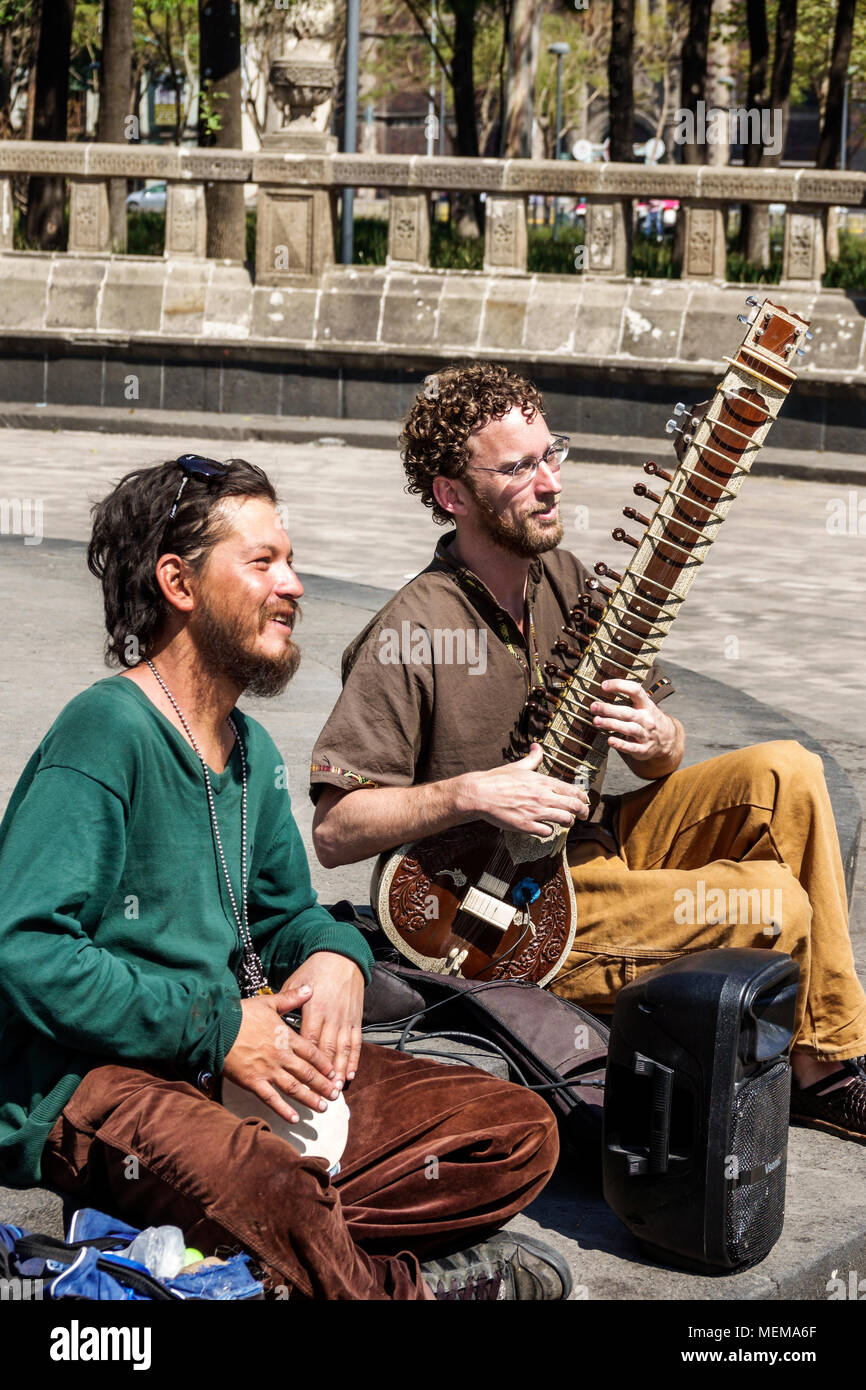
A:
608,236
7,221
803,256
295,225
703,240
409,230
505,241
89,223
185,220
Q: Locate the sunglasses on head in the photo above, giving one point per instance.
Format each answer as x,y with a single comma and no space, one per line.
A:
194,465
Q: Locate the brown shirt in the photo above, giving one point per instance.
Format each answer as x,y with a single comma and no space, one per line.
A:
434,685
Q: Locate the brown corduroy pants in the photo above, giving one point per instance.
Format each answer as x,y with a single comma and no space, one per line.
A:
740,850
437,1157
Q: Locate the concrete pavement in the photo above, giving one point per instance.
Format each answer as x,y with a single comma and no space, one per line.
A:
777,612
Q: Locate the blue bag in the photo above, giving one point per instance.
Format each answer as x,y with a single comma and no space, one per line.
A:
87,1266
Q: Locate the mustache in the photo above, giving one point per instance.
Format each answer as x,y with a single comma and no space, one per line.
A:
292,611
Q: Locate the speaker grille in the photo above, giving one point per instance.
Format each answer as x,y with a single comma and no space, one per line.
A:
756,1202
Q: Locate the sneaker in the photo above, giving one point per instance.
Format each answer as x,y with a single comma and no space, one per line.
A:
840,1111
507,1266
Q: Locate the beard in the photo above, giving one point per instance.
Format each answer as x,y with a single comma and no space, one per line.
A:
524,537
226,650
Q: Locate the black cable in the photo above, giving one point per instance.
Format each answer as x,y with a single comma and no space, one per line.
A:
449,999
486,1044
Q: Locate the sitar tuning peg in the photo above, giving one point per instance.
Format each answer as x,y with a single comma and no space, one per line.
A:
620,535
641,490
751,301
557,672
563,648
671,427
656,472
606,573
598,587
808,334
631,514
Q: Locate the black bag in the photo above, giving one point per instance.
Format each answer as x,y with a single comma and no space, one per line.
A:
552,1046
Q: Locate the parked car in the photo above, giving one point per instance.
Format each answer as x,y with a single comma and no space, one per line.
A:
150,199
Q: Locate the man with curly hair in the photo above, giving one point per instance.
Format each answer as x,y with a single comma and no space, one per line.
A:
157,926
423,727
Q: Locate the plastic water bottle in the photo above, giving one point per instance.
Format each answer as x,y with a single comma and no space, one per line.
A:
160,1249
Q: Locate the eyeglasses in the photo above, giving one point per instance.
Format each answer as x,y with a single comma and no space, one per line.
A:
194,465
526,468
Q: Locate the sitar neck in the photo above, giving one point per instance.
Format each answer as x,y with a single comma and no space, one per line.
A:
638,607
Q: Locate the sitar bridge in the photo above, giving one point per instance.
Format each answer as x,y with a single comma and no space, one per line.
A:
493,911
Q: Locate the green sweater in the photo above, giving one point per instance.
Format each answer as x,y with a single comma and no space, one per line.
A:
117,937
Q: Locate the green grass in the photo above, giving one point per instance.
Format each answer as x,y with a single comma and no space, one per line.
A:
849,272
145,233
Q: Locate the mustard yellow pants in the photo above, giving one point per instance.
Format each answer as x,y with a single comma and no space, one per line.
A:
740,850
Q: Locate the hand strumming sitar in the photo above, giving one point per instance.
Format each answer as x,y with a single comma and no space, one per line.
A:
492,904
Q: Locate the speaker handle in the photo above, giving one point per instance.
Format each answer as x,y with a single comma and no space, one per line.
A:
660,1123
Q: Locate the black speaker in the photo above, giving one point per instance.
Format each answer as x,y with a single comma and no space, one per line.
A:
696,1106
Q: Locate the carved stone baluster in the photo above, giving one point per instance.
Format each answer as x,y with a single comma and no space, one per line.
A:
409,230
185,220
89,223
608,236
803,254
505,239
703,240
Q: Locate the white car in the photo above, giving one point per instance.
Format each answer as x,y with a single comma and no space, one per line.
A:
150,199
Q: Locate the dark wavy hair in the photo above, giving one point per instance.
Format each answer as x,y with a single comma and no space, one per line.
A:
454,405
131,530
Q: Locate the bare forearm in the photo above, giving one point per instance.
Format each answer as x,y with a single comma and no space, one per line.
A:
349,826
370,820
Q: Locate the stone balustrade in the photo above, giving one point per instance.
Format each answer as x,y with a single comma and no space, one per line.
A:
297,200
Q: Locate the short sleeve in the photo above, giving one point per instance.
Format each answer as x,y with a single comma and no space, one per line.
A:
375,734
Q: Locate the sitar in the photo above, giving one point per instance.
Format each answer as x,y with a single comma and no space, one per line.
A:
490,904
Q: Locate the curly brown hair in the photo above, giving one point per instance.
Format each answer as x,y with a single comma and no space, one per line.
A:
454,405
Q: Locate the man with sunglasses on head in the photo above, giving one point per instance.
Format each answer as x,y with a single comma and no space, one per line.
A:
157,925
417,746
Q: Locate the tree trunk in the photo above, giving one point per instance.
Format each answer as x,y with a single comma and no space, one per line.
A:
467,213
620,75
114,93
220,80
693,82
754,240
523,65
46,199
783,70
6,64
463,79
830,139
